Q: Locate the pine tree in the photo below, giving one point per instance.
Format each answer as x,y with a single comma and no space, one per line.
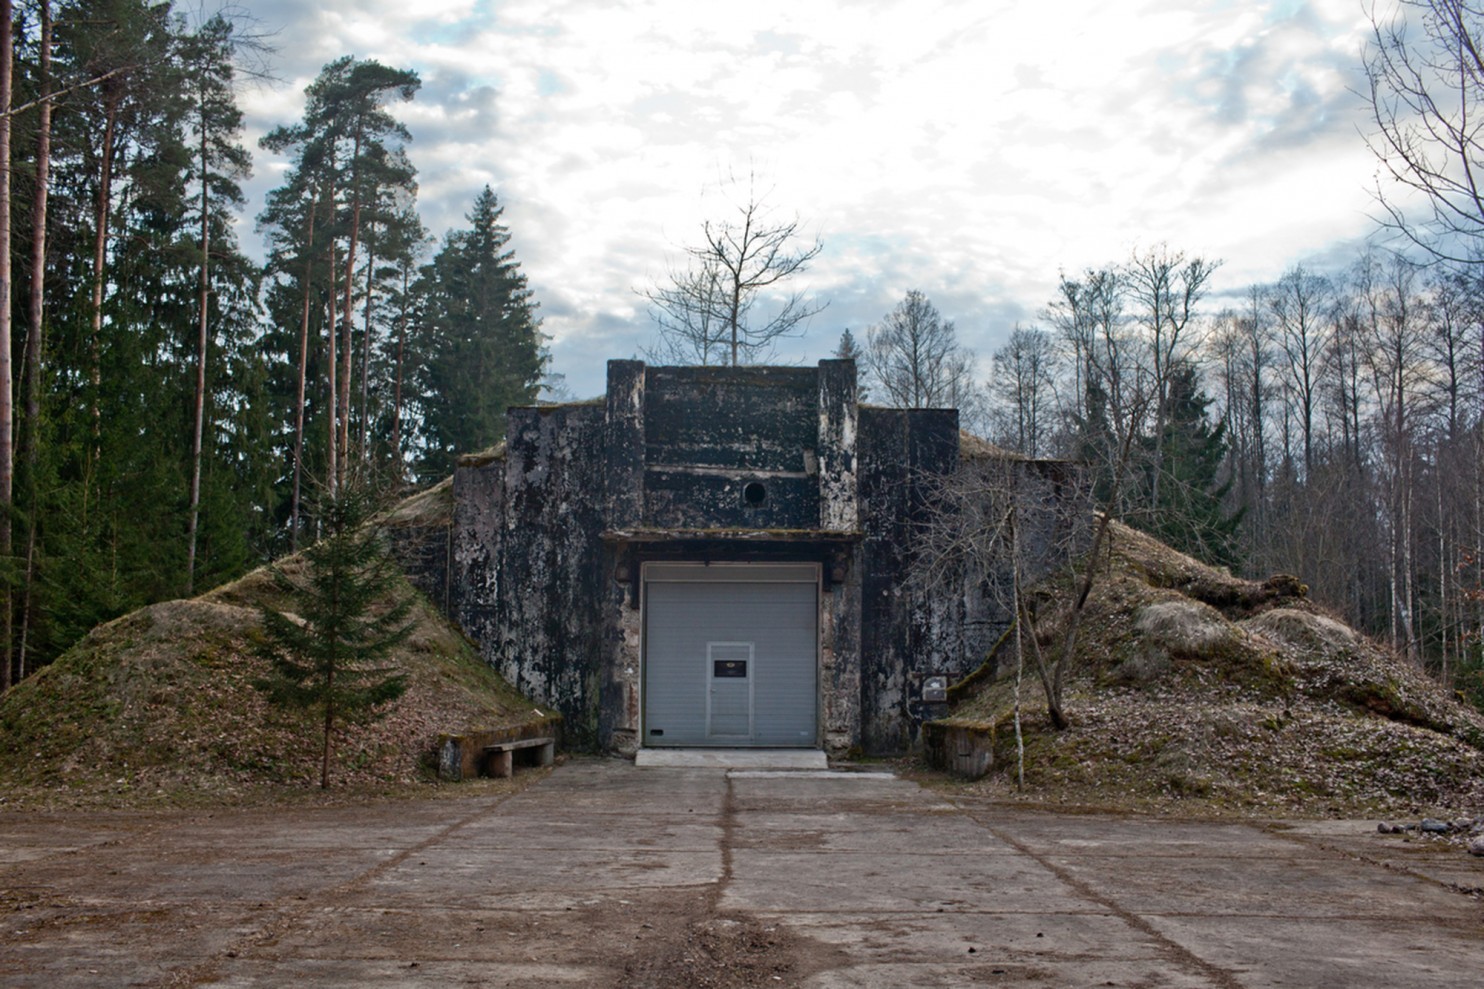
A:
219,161
349,177
480,347
298,298
7,416
352,617
114,188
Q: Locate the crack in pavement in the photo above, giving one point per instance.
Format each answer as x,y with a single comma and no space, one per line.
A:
1172,949
1313,843
711,947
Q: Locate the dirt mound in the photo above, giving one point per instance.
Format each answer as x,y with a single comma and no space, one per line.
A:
158,706
1196,687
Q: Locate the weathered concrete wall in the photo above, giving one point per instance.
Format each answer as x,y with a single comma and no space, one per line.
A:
623,442
478,544
619,719
1054,502
709,433
549,640
526,562
548,538
901,630
840,661
839,424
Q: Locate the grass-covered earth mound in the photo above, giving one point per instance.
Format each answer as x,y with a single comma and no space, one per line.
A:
159,707
1194,688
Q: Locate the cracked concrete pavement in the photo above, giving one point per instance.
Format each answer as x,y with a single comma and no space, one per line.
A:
604,874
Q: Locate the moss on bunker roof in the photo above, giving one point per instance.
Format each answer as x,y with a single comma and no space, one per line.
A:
971,447
483,457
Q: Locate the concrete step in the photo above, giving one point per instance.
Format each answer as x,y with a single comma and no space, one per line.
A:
731,759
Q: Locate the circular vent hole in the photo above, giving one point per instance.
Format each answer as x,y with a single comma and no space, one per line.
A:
754,494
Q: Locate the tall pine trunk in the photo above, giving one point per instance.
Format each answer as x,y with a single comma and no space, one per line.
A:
332,468
303,372
364,438
7,417
35,311
193,526
397,395
102,208
347,322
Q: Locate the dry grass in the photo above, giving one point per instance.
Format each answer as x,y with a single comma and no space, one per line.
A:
1198,691
432,507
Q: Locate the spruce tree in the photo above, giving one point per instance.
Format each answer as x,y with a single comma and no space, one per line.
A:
480,348
111,392
1190,515
849,350
331,662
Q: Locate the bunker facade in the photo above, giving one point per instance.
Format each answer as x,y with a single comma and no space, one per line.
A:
715,557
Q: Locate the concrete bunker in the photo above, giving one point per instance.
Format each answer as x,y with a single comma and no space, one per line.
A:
715,557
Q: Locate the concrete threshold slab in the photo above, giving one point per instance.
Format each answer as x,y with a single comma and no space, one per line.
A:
811,774
731,759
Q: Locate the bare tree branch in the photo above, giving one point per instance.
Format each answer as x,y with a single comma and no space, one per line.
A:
915,357
712,308
1425,81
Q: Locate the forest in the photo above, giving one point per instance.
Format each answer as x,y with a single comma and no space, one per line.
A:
176,409
1328,425
172,409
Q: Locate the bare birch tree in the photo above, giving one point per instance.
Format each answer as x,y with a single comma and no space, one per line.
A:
690,314
1300,303
1165,288
914,357
1023,385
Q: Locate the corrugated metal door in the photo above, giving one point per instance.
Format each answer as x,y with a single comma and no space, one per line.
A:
731,655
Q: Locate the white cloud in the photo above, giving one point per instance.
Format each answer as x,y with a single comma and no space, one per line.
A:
968,149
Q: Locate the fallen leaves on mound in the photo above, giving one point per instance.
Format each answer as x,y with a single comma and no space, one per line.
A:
1197,688
159,706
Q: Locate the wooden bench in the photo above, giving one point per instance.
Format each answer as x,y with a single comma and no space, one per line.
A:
500,757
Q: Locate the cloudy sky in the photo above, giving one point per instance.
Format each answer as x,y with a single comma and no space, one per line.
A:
971,149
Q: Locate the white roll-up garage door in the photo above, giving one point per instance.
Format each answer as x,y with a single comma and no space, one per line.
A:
731,654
